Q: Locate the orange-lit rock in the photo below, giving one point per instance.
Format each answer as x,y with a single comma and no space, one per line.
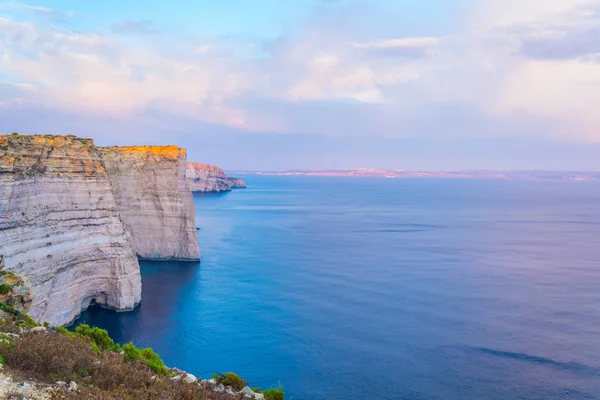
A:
209,178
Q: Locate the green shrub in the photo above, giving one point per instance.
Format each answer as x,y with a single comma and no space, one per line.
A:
152,360
22,320
99,337
274,394
4,288
1,360
130,353
64,331
14,133
231,379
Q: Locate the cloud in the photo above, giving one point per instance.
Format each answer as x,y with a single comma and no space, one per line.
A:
143,27
44,12
414,42
512,68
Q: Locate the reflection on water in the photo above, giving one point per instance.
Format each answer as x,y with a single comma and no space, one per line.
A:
389,289
165,284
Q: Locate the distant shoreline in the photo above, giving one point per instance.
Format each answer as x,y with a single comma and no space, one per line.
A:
393,173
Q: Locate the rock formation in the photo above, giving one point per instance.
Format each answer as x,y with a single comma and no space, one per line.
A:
206,178
236,183
154,201
209,178
60,227
15,290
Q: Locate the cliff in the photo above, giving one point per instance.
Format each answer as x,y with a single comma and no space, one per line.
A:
154,200
236,183
206,178
60,227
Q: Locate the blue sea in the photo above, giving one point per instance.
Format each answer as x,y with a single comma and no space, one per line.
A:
350,288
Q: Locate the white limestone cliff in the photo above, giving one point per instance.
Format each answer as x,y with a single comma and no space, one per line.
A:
154,200
236,183
206,178
60,227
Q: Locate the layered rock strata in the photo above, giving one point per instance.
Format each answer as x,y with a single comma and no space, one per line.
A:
154,200
209,178
60,227
236,183
206,178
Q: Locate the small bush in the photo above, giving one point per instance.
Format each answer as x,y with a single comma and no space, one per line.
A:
274,394
4,288
1,360
231,379
148,356
99,337
14,133
64,331
61,355
41,354
130,353
20,319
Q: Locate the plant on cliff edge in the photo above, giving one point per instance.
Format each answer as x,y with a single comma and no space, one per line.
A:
21,319
99,337
64,331
274,394
131,354
230,379
4,288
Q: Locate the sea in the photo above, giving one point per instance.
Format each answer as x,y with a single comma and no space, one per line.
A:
363,288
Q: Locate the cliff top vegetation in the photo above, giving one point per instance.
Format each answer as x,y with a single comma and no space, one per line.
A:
95,367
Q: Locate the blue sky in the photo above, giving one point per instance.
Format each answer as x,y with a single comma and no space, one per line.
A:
265,84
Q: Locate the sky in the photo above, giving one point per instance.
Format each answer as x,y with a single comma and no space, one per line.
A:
313,84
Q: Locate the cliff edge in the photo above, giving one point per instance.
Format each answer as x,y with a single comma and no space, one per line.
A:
60,227
154,200
210,178
236,183
206,178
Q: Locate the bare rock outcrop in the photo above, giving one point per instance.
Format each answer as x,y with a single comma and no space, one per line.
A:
154,200
60,227
236,183
206,178
16,291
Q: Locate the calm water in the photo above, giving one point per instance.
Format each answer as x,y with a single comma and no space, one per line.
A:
385,289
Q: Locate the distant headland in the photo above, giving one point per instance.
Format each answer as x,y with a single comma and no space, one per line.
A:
398,173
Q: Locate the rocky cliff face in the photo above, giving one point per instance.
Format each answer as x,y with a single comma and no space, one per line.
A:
15,290
236,183
60,227
154,200
206,178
